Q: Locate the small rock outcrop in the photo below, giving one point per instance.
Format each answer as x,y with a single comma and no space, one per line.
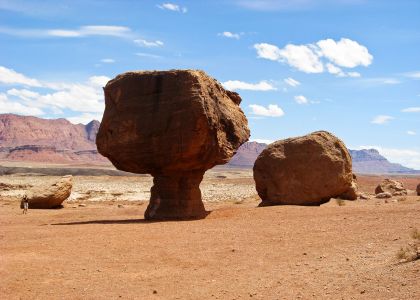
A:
306,170
395,188
383,195
174,125
50,196
418,189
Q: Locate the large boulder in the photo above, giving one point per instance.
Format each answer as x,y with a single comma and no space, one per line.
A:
394,187
174,125
418,189
50,195
306,170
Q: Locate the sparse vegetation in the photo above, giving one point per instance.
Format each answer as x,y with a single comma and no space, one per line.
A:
340,202
411,252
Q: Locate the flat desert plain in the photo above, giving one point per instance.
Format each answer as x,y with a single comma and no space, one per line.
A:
99,246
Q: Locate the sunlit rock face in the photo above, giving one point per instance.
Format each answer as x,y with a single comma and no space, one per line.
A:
174,125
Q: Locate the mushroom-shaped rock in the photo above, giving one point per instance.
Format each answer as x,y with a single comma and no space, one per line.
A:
394,187
306,170
418,189
51,195
174,125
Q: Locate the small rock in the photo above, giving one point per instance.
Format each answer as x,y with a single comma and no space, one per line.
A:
154,292
82,205
383,195
364,196
120,206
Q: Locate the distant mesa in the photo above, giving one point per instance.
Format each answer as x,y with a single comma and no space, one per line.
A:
23,138
26,138
305,170
174,125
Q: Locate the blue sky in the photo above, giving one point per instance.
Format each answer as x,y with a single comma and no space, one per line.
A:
347,66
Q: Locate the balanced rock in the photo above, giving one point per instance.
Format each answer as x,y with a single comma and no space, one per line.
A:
174,125
306,170
418,189
395,188
50,196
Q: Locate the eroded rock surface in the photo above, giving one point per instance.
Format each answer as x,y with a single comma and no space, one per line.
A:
174,125
418,189
394,187
306,170
52,195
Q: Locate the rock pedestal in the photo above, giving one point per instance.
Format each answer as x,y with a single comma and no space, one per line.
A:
306,170
176,194
174,125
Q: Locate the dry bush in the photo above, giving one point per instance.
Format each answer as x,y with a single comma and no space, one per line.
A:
412,251
340,202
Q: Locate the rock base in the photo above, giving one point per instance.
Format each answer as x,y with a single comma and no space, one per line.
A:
176,196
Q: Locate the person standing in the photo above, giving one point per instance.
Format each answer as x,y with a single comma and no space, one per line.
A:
25,204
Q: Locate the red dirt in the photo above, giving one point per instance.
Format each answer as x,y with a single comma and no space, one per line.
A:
239,251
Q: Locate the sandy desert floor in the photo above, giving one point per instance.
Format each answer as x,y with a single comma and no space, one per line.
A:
99,246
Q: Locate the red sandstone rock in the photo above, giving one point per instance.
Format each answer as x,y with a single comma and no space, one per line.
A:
50,196
174,125
395,188
306,170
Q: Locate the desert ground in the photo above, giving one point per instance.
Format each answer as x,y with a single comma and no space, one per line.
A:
99,246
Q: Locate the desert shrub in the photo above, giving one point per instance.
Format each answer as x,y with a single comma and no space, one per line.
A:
412,251
340,202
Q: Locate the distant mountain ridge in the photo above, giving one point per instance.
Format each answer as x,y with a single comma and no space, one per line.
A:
370,161
27,138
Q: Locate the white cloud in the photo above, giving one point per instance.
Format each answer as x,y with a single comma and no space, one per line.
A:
148,55
292,82
173,7
411,109
240,85
353,74
291,5
302,58
267,51
98,81
230,35
108,60
23,94
380,81
381,119
148,44
334,69
301,99
407,157
14,107
55,96
106,30
83,31
315,58
273,110
9,76
84,118
345,53
415,75
410,132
